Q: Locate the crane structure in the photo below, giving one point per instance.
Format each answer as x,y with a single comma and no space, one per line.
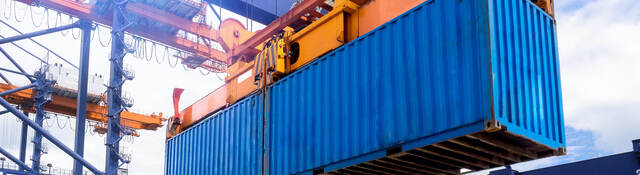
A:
67,105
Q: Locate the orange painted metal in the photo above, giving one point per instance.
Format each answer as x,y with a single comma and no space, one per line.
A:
546,5
86,11
95,112
376,13
162,16
247,48
232,34
240,81
206,105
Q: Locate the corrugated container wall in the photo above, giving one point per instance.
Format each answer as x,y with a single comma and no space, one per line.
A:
432,74
525,71
229,142
443,70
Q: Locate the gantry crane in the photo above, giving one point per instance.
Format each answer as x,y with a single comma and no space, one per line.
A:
66,104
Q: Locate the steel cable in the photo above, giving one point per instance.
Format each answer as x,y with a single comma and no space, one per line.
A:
185,67
218,76
7,8
203,73
48,20
58,122
73,35
70,125
33,21
163,59
91,132
153,49
15,12
46,123
100,38
64,32
166,54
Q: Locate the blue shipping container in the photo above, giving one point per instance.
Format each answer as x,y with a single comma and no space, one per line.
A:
228,143
448,85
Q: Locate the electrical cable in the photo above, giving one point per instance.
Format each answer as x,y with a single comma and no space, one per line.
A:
163,58
91,132
7,8
64,32
33,21
7,14
185,67
70,125
166,54
73,35
48,20
203,73
100,38
15,12
58,18
58,122
46,123
153,48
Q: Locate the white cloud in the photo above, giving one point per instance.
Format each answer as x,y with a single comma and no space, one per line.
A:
599,60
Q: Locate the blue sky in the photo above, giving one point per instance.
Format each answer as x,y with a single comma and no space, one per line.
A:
600,69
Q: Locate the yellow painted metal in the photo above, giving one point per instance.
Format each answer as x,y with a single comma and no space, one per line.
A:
282,63
323,35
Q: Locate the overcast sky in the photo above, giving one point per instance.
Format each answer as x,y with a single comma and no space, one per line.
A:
599,58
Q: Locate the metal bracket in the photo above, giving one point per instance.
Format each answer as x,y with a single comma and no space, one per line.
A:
492,126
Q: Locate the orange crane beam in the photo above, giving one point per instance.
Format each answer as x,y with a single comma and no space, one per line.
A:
87,11
95,112
247,48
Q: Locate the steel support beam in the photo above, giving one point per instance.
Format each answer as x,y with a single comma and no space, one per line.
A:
38,129
42,90
215,12
114,100
38,33
39,44
83,77
4,52
27,51
19,73
18,89
23,140
5,79
14,159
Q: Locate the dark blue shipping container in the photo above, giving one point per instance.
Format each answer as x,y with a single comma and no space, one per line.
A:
448,85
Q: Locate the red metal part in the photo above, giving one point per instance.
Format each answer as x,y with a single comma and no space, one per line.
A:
176,100
162,16
248,47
